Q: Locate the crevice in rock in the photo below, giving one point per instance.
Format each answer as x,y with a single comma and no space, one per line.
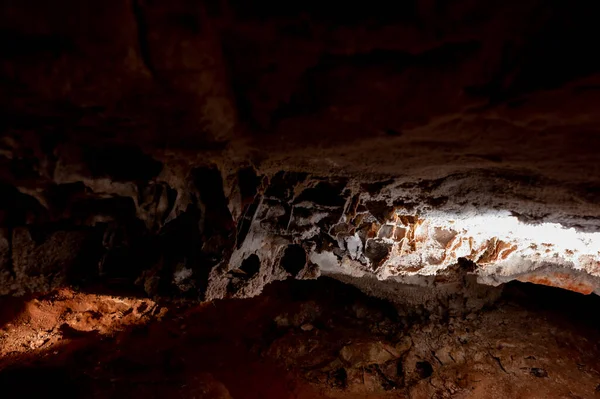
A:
251,265
121,163
101,210
424,369
7,261
142,36
246,221
294,259
249,182
17,209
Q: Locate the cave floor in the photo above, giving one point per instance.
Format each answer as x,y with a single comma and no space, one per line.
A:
299,339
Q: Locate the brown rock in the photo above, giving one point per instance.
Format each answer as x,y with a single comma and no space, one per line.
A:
403,345
362,354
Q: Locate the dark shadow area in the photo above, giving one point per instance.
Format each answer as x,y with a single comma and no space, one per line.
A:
560,304
11,307
424,369
251,265
294,259
121,163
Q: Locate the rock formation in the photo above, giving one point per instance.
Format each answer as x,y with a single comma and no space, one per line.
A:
416,149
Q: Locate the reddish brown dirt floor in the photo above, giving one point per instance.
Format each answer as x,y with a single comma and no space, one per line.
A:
311,339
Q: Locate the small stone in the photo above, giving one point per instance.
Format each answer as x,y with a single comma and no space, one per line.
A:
404,344
282,321
392,371
366,353
471,316
428,328
538,372
361,311
307,327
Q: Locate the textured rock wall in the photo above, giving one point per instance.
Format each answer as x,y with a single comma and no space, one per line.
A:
206,148
213,237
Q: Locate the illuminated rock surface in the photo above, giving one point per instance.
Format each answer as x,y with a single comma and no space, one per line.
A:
430,153
202,149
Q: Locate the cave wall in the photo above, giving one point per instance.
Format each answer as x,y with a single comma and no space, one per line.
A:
169,145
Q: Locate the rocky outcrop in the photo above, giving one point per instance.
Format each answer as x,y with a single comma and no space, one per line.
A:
205,149
210,236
